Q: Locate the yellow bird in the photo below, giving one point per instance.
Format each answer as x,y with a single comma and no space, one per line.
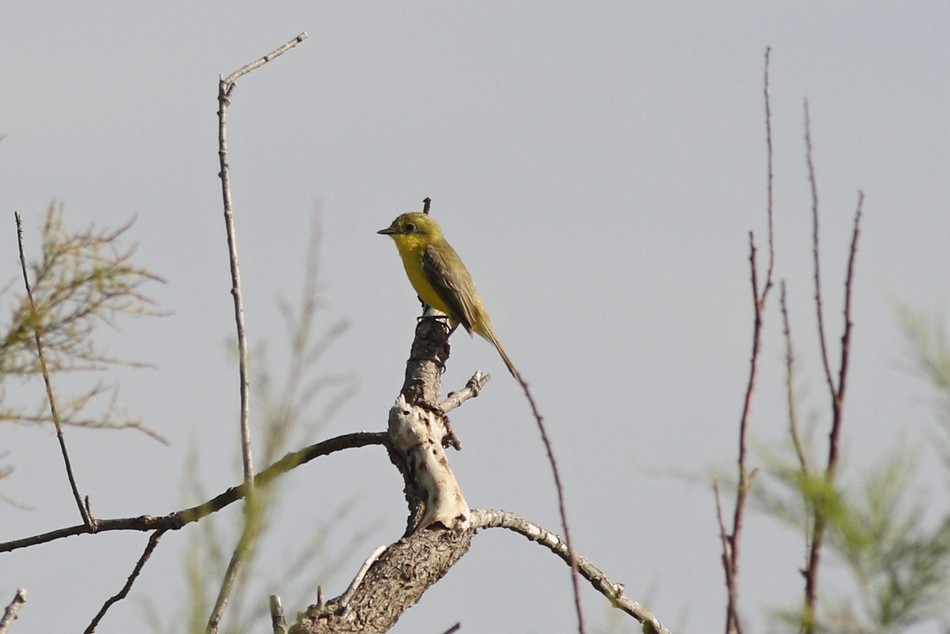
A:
440,278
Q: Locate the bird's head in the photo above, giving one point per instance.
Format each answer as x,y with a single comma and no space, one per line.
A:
413,229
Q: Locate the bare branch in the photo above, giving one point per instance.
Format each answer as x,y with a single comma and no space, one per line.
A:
730,569
789,386
561,506
731,540
83,509
387,591
472,389
260,62
767,92
178,519
12,609
489,518
836,391
826,364
845,342
393,583
152,543
418,437
225,89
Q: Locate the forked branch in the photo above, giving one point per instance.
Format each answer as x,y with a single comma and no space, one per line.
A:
225,90
730,537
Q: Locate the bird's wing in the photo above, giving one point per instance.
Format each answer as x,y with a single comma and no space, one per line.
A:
454,287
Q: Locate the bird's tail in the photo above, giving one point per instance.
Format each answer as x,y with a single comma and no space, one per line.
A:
489,334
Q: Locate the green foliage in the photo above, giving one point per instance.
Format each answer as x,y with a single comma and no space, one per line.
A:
929,350
893,544
79,281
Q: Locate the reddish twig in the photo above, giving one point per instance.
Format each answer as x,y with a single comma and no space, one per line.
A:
730,540
562,508
835,433
815,250
836,389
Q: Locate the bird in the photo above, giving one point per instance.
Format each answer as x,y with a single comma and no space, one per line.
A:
440,278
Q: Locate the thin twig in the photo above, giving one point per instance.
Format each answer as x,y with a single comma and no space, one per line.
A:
836,391
730,569
845,342
152,543
731,540
472,389
767,91
244,70
790,385
12,609
225,89
822,339
731,555
793,430
491,518
83,509
562,508
238,555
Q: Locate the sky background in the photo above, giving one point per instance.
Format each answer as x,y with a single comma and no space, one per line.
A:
598,166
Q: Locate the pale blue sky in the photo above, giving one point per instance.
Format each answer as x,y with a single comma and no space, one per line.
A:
598,166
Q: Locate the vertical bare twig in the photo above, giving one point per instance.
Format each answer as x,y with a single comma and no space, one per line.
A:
152,543
836,390
730,540
225,90
789,385
767,94
815,256
835,433
12,609
87,518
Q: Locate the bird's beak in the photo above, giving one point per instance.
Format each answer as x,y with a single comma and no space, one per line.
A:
388,231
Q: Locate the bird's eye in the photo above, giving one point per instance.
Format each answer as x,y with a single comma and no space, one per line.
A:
410,227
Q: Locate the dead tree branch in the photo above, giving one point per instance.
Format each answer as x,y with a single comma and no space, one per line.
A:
87,518
178,519
149,548
248,534
12,609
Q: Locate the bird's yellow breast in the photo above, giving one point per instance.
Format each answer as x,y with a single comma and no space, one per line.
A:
411,249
